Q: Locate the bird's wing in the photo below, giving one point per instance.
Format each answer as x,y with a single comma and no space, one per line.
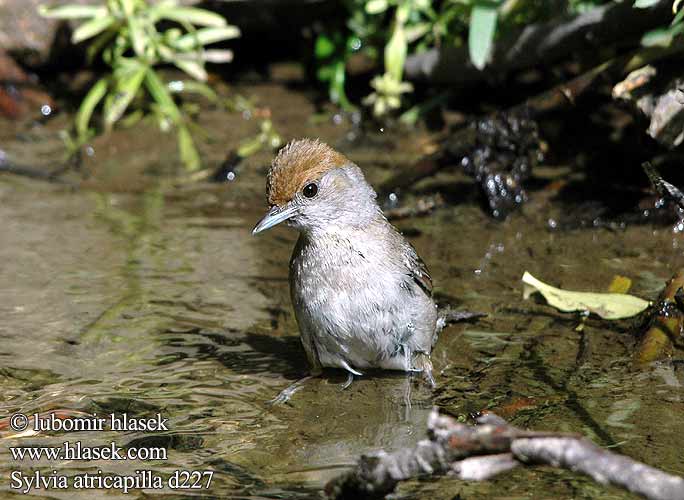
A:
418,270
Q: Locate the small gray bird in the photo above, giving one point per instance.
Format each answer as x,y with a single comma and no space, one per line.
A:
361,295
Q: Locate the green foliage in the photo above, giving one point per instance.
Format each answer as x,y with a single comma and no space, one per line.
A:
331,53
394,29
124,33
663,37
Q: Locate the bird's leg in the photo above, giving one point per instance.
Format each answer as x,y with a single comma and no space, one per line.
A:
287,393
423,364
350,374
407,395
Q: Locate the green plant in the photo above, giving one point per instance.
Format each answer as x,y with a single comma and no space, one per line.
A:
393,29
664,36
125,33
421,24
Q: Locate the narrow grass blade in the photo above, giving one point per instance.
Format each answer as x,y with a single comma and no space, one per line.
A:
199,17
205,36
192,68
193,87
85,111
162,97
72,11
91,28
186,149
126,88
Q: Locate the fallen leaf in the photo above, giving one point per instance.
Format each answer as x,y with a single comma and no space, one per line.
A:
605,305
620,284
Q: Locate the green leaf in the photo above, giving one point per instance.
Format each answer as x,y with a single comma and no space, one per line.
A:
192,68
178,86
644,4
128,7
481,33
126,88
72,11
186,149
137,36
191,15
417,31
218,56
606,305
324,47
98,44
161,95
678,18
205,36
395,52
376,6
91,28
661,37
85,111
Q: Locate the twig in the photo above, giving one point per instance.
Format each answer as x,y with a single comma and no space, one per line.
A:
34,173
605,467
491,447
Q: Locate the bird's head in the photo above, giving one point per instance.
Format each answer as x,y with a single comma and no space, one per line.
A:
313,187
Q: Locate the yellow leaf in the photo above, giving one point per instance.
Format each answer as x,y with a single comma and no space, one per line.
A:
605,305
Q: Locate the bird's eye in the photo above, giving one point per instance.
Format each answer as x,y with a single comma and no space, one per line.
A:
310,190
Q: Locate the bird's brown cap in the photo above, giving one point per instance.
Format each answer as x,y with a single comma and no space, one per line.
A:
297,164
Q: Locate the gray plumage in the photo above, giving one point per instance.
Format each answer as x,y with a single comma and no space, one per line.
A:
362,296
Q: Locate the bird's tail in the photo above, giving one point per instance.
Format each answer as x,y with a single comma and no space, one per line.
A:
448,315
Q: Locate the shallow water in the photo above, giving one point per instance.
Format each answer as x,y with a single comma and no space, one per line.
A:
145,298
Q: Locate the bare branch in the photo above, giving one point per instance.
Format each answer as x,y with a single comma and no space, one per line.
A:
491,447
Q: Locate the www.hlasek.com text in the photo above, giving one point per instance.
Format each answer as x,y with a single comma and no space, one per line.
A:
77,451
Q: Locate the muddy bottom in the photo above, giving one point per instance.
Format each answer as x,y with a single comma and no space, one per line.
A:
149,297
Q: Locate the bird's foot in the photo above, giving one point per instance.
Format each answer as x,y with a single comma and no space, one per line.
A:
423,365
348,383
286,394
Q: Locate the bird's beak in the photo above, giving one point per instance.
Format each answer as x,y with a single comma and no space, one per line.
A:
274,216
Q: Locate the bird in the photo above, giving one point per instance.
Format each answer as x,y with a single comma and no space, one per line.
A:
362,297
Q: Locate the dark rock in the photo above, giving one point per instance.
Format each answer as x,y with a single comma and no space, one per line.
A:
27,35
19,92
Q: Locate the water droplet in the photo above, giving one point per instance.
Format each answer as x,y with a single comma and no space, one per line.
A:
90,151
553,224
382,130
46,110
231,176
176,86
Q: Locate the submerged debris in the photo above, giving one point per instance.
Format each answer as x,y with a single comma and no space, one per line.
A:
506,149
670,195
666,325
499,151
